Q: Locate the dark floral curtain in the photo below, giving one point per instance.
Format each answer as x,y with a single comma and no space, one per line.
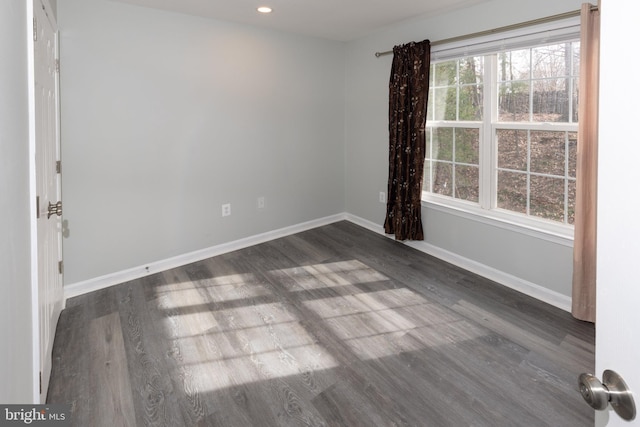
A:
408,93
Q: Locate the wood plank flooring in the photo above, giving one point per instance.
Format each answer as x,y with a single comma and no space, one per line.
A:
336,326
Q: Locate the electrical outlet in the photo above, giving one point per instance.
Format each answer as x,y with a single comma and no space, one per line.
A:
382,197
261,202
226,209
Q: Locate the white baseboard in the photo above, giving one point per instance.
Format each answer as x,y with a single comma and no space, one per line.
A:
558,300
86,286
528,288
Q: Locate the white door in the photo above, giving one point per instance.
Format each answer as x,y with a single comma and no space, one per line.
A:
618,293
47,153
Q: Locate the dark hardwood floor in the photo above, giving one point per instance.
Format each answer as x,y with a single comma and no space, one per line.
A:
336,326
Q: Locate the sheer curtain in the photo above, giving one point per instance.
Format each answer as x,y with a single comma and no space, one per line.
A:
408,93
584,253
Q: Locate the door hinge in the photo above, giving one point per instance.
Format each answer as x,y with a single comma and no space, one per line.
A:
37,207
35,29
57,65
40,382
60,267
59,166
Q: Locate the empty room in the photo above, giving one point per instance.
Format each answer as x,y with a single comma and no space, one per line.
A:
333,214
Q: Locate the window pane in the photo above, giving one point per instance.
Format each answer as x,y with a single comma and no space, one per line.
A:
467,146
467,179
547,197
514,101
574,100
512,191
445,104
571,209
552,60
430,103
573,153
443,144
471,70
471,102
550,100
514,65
426,177
512,149
576,58
432,73
547,152
442,178
445,73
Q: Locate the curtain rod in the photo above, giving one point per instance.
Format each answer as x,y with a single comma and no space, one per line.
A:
551,18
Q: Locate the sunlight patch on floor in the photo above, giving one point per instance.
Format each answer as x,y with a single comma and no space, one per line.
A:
328,275
221,336
264,340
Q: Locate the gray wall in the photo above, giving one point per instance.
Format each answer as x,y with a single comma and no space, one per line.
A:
54,7
541,262
165,117
16,376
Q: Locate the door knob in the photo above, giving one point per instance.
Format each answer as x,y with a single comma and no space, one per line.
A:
54,209
612,390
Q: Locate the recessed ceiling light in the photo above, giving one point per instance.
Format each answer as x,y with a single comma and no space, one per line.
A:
265,9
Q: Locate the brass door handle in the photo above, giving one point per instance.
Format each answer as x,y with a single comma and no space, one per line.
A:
54,209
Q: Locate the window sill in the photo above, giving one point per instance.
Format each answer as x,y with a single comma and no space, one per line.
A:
546,230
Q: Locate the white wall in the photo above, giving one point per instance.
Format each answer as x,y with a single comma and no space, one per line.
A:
16,376
165,117
539,262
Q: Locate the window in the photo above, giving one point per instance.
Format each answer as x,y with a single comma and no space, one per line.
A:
502,132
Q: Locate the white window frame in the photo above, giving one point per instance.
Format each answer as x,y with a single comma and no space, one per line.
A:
485,210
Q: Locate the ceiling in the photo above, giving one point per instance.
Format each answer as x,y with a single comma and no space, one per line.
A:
341,20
